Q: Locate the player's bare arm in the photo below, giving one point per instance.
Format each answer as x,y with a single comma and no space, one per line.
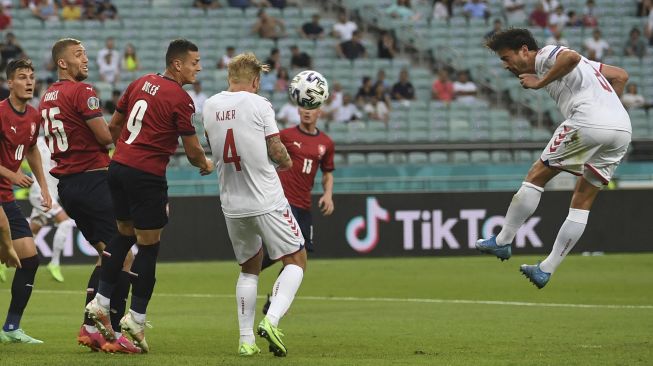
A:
33,157
17,178
278,153
8,255
101,131
116,125
616,76
195,154
566,61
326,201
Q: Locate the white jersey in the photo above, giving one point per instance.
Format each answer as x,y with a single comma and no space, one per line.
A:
584,96
237,125
47,163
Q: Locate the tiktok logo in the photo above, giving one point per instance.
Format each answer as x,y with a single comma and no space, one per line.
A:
375,213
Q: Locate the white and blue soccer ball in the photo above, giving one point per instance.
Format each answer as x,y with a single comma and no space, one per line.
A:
308,89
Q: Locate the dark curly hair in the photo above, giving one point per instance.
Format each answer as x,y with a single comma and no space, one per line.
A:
512,39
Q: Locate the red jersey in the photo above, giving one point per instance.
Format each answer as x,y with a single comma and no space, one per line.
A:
307,152
158,111
18,132
65,108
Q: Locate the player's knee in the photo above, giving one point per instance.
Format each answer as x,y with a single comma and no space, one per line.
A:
126,228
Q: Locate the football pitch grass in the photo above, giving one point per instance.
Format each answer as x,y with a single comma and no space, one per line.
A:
409,311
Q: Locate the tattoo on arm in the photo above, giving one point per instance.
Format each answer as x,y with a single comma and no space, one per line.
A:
277,151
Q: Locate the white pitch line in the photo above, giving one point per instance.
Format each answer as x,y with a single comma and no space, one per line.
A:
393,299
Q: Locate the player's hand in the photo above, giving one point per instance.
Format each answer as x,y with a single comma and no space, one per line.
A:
529,81
326,205
208,169
46,200
21,180
9,257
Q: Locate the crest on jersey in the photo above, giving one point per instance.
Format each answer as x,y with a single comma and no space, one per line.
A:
321,150
196,119
32,131
93,103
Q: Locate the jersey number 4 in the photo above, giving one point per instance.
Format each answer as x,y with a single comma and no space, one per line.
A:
604,83
54,129
230,154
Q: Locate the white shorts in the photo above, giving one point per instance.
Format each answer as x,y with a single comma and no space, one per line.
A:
277,229
593,153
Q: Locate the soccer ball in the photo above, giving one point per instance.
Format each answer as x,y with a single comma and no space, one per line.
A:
308,89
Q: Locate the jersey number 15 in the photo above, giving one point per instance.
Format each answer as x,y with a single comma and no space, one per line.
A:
54,130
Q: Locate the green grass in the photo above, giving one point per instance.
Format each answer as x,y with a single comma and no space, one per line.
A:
335,320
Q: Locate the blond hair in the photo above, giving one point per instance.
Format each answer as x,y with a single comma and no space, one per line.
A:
245,68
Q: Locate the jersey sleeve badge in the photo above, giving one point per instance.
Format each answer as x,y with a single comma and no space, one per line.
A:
93,103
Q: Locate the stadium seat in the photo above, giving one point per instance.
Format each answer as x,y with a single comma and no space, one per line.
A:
377,159
418,158
356,159
438,157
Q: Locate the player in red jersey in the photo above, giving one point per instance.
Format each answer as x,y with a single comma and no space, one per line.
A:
18,132
77,136
150,117
309,149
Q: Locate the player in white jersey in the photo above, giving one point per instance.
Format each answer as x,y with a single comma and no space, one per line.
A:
56,214
244,137
590,143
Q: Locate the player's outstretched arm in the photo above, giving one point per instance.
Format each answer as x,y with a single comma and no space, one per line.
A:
278,153
195,154
616,76
101,131
116,125
33,157
565,62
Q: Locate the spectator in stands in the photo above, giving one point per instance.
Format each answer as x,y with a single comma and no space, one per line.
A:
282,80
549,6
403,89
230,52
274,60
247,3
45,10
556,39
71,10
108,61
441,10
381,80
442,88
402,10
498,25
649,24
344,28
590,16
90,11
106,10
574,20
464,89
281,4
596,47
299,59
476,9
336,95
268,27
353,48
346,112
642,7
378,108
635,45
365,91
206,4
312,29
5,18
387,47
110,106
514,11
558,19
197,95
538,16
288,114
130,61
268,81
631,98
10,50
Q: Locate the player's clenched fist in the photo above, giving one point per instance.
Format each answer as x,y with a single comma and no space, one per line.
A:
208,169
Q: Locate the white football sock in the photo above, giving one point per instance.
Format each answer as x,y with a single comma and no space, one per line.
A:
104,301
138,317
90,328
246,302
570,231
283,292
523,204
59,240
